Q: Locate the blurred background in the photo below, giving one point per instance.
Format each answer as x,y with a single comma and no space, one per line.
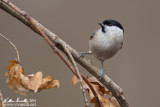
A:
135,68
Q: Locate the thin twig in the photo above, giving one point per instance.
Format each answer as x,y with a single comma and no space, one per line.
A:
79,76
93,91
14,46
106,81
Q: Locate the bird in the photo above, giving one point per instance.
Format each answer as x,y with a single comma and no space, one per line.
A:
105,42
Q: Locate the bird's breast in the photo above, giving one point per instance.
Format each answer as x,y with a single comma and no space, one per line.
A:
104,47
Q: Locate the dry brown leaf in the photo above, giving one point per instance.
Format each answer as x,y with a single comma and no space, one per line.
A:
104,101
101,88
48,82
75,80
114,100
100,91
24,84
13,80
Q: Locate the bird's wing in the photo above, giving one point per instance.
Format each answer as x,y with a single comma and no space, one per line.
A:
91,37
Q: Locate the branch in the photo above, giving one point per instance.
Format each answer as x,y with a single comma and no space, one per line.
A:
60,55
78,75
106,81
14,46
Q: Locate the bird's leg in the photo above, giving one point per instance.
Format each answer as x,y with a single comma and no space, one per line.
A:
102,71
82,54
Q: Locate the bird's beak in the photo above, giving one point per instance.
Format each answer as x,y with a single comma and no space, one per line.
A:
101,24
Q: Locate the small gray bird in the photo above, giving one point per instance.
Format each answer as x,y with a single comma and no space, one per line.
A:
106,41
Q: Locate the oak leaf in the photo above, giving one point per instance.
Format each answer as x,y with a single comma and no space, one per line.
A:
104,101
100,91
75,80
23,84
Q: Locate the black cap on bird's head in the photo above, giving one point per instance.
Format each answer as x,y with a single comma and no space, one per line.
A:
110,23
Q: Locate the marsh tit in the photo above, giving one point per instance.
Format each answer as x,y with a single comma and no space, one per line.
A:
106,41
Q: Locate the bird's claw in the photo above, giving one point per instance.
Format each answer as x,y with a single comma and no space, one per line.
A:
102,74
82,54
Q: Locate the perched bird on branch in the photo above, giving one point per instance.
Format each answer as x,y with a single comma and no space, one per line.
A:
106,41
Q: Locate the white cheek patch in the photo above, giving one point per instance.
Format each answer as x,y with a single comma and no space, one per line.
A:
113,29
